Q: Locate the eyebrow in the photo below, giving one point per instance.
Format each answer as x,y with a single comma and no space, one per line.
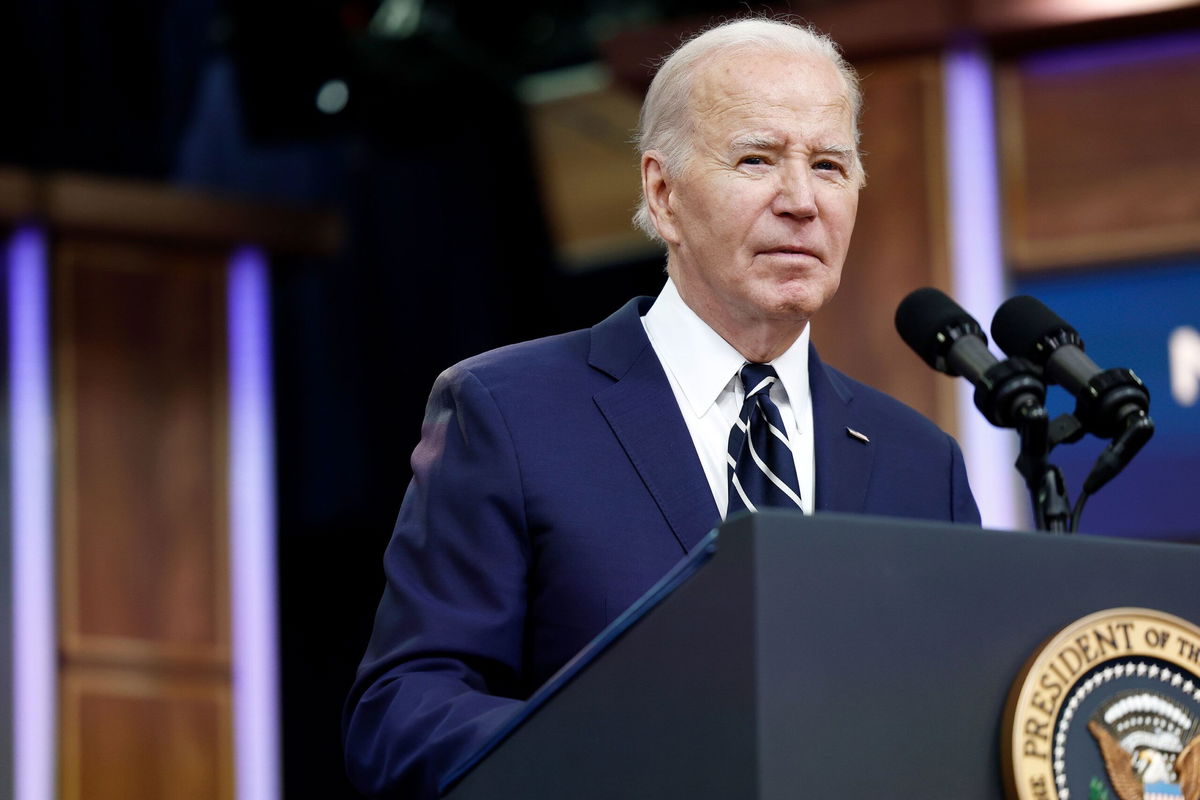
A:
837,150
759,141
755,141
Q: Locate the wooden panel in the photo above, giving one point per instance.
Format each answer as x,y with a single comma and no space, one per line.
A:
18,194
1101,153
81,204
900,239
589,176
140,358
870,29
862,28
130,736
874,27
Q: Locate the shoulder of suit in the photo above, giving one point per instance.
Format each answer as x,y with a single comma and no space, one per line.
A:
533,362
608,344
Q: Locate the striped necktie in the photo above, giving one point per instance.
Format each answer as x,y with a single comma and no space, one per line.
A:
762,469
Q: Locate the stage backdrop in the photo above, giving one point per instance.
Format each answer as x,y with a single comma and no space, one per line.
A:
1146,317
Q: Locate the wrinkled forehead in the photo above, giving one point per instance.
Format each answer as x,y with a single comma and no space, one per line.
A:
753,80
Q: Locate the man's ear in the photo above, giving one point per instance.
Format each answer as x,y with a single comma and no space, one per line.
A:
656,188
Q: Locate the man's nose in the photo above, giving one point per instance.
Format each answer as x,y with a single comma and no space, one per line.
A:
796,197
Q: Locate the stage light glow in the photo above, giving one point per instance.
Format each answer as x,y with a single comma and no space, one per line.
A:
1049,12
252,530
977,264
333,96
35,663
1183,351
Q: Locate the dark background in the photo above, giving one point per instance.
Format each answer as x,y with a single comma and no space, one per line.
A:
430,167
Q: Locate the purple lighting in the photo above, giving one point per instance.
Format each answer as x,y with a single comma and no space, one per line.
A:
1113,55
35,668
252,530
977,264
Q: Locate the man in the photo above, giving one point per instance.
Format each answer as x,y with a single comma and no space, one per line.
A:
557,480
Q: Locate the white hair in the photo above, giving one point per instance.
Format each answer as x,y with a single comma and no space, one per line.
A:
666,123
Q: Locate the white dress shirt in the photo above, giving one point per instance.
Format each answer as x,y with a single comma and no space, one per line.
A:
702,369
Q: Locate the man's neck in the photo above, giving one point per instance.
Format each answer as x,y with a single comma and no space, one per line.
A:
758,340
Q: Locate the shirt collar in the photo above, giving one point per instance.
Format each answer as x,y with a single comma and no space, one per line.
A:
792,368
703,363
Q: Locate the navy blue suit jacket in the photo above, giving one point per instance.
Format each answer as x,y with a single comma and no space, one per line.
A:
555,482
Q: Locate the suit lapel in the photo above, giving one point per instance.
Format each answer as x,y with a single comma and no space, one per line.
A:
641,410
843,461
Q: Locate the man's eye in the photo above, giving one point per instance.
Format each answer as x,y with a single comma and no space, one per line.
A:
826,164
753,160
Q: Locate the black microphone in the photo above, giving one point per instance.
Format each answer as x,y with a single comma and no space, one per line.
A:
1108,402
949,339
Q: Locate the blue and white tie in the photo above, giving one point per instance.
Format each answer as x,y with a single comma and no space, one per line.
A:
762,469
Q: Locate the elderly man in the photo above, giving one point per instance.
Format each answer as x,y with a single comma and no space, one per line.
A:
557,480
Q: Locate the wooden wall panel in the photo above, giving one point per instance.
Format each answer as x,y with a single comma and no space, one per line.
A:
589,175
899,240
862,29
89,205
129,736
140,371
141,366
1101,153
141,464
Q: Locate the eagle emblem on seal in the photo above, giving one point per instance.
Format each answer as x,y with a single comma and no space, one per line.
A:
1150,746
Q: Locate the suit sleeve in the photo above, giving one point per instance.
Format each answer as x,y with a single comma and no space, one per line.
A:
441,671
963,508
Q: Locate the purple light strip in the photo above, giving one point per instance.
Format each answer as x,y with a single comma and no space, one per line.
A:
35,670
977,266
252,530
1113,55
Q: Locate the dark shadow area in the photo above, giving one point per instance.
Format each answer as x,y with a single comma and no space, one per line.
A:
446,252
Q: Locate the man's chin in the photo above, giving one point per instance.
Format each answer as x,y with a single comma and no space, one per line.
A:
798,304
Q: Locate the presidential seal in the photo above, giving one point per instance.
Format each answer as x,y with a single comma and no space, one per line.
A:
1108,709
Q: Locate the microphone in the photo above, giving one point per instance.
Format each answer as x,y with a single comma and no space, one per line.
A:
1108,402
949,339
1112,404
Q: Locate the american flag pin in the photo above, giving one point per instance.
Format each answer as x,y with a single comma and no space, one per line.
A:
862,437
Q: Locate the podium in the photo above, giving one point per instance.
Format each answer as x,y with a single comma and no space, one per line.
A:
826,656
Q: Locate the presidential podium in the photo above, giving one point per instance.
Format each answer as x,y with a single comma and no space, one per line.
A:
827,656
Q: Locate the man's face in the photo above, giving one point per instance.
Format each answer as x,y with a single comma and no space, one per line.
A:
758,218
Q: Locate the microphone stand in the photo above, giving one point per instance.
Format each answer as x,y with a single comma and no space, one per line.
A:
1112,404
1047,489
1011,394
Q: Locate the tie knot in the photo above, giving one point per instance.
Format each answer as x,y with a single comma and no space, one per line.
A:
757,377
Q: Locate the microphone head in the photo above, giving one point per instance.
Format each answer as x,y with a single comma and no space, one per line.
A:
930,322
1025,328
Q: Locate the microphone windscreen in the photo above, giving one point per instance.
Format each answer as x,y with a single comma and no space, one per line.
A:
924,314
1023,321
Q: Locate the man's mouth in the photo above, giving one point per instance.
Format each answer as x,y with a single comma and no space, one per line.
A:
790,250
